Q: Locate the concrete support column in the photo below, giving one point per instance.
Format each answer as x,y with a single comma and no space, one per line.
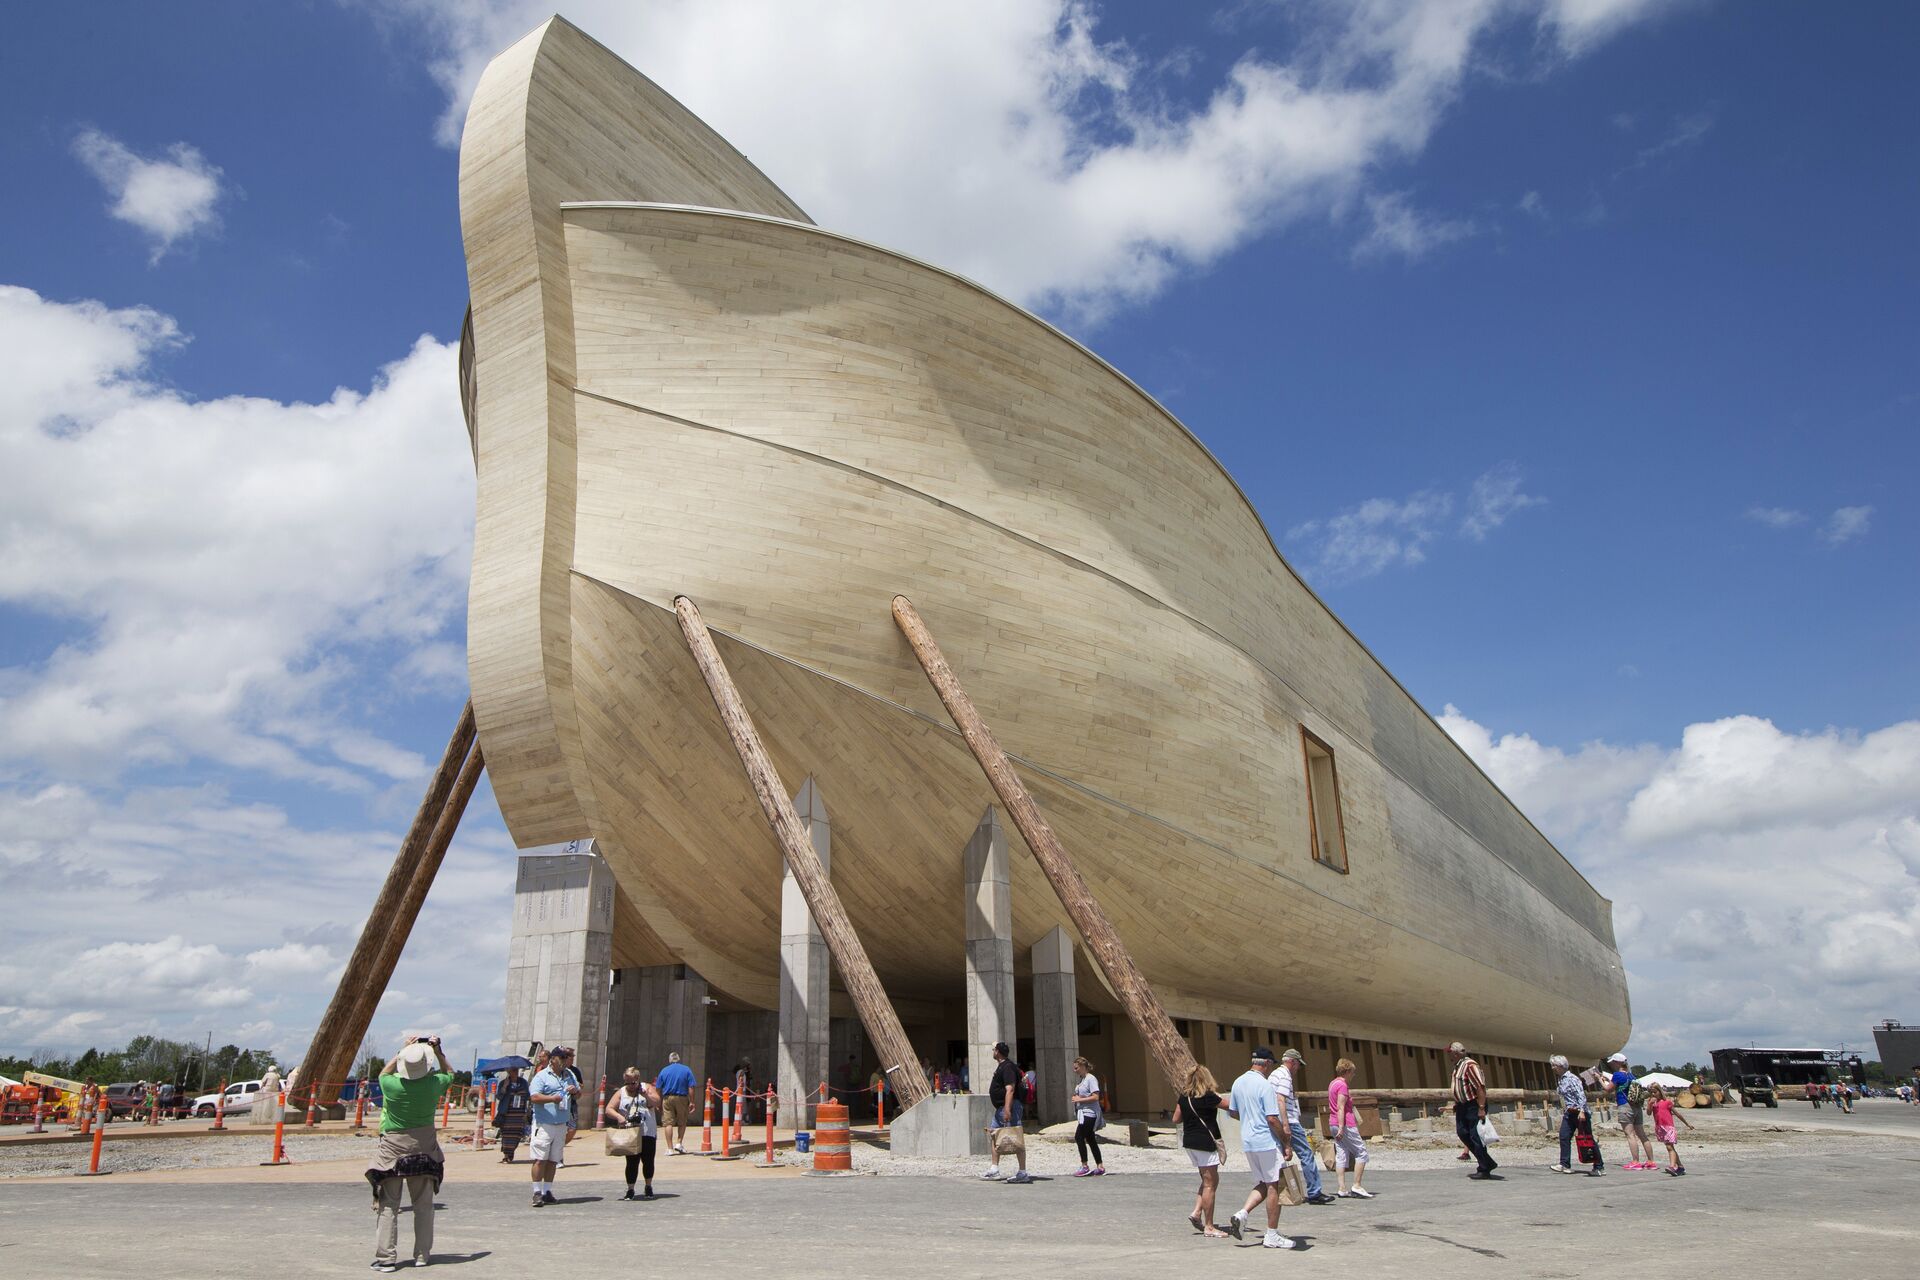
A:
989,948
805,966
657,1010
1056,1027
560,959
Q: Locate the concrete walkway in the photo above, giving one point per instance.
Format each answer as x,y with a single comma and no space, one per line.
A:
1843,1208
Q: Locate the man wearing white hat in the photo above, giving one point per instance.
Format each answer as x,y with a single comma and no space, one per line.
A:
409,1159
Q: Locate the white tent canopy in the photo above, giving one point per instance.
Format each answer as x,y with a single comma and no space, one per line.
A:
1666,1080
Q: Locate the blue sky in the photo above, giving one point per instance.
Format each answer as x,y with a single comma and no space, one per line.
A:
1567,348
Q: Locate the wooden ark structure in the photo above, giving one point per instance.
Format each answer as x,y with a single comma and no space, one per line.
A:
678,385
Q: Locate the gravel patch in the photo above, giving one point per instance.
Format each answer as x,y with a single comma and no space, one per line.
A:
179,1153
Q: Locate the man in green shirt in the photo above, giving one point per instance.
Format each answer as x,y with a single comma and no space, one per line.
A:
409,1160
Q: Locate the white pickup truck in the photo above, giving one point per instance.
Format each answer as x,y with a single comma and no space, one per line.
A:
239,1095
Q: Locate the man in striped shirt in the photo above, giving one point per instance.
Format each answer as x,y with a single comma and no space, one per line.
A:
1469,1109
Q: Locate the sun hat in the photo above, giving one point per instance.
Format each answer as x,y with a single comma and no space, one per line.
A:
416,1060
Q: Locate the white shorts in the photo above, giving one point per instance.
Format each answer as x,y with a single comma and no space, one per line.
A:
1203,1159
1349,1149
548,1142
1265,1165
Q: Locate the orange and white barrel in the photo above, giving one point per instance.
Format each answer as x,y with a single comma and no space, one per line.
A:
832,1149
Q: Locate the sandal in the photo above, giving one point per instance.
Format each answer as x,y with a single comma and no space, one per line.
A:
1215,1233
1198,1225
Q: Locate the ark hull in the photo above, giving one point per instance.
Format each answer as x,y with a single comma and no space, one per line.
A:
790,427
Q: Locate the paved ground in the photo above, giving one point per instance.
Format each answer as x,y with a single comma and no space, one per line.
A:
1841,1204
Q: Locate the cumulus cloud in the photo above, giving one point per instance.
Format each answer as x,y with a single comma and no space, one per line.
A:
1008,141
1745,841
1400,230
1846,524
170,197
223,564
1776,517
1495,496
1384,533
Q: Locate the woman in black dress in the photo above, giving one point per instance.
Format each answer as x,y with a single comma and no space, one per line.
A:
512,1112
1198,1112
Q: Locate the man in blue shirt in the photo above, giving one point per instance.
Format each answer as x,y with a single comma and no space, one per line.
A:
1265,1142
675,1083
553,1091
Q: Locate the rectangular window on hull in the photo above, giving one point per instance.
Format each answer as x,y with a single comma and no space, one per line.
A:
1324,826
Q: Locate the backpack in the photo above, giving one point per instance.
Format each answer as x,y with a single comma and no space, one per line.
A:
1636,1094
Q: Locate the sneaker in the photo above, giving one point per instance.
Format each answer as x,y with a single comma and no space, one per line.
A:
1361,1193
1486,1177
992,1173
1596,1173
1235,1223
1022,1177
1559,1168
549,1197
1680,1171
1098,1173
628,1195
647,1194
1083,1172
1322,1198
422,1261
385,1266
1275,1240
539,1201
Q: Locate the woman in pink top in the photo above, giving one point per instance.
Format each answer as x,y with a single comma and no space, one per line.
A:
1663,1117
1343,1122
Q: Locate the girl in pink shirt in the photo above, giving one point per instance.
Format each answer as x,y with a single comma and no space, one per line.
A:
1663,1131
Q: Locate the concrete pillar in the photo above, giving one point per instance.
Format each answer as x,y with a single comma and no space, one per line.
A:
1056,1027
805,966
657,1010
560,959
989,948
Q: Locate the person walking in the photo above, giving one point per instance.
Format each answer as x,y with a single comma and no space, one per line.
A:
552,1092
1198,1113
1629,1106
1087,1113
1343,1122
635,1105
675,1086
1003,1092
1469,1109
1663,1117
1293,1067
1575,1118
1263,1140
512,1113
408,1160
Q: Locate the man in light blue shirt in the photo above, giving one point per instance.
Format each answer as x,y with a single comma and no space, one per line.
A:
552,1091
1263,1140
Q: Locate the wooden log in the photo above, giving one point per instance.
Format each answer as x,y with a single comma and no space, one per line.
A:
1168,1047
870,1001
1686,1099
337,1038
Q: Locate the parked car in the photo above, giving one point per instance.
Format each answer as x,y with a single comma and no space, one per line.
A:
1758,1089
239,1097
124,1099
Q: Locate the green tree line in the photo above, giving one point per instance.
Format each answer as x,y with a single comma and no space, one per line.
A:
154,1059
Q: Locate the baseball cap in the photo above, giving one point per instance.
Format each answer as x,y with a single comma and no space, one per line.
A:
1263,1054
1292,1055
1001,1049
1618,1057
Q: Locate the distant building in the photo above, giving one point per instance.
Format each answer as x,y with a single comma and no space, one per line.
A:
1899,1046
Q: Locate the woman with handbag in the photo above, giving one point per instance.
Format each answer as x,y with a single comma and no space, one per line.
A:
634,1113
1198,1113
1343,1122
1086,1108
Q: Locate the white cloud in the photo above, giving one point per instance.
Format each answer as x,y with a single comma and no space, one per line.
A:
1375,535
1743,844
169,197
1533,205
1384,533
1846,524
226,562
1006,140
1776,517
1401,230
1685,132
1495,496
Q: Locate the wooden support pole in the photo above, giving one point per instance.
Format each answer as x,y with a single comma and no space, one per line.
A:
351,1009
863,985
1166,1045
